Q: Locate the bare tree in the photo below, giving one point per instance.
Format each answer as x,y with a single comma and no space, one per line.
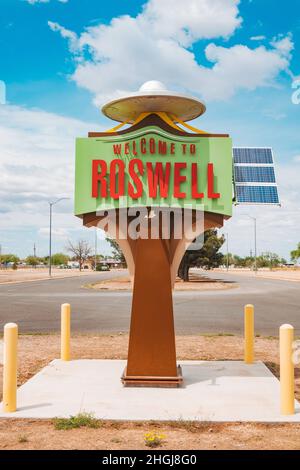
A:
81,251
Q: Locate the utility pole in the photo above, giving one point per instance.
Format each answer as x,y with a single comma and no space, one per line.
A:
50,238
51,204
255,244
34,253
255,240
96,240
227,246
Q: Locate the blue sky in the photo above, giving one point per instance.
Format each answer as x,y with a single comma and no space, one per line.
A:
60,60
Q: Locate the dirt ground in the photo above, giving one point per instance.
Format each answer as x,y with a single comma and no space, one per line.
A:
282,274
127,436
197,282
10,276
38,350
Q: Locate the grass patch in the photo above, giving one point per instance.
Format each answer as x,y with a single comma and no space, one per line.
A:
23,438
80,420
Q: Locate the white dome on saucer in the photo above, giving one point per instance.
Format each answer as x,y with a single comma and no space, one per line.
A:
152,85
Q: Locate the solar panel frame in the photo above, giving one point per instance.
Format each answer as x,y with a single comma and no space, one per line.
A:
253,161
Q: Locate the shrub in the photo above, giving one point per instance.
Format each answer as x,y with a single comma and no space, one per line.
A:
153,439
78,421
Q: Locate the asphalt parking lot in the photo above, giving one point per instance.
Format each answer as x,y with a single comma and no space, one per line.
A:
35,306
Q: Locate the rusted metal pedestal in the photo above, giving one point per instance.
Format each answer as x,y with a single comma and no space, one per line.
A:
153,264
152,353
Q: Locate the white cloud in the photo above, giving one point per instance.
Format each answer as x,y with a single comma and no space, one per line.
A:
32,2
284,45
2,92
58,233
189,21
258,38
37,154
37,151
157,44
65,33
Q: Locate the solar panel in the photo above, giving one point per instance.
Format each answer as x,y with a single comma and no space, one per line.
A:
257,195
254,176
253,155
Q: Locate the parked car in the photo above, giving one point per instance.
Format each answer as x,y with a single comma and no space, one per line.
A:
102,267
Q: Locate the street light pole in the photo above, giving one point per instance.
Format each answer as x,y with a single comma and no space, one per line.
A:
255,240
51,204
255,245
227,261
50,237
96,248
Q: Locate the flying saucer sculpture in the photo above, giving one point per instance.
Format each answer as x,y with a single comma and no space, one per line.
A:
153,97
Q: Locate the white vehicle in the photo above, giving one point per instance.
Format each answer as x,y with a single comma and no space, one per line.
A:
73,264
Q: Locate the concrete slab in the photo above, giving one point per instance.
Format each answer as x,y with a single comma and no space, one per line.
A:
212,391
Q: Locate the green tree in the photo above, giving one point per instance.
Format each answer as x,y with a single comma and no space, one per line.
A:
295,254
32,261
9,258
270,260
59,258
117,252
234,260
207,257
265,260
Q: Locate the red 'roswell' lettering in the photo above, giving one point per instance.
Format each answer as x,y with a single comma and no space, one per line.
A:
154,179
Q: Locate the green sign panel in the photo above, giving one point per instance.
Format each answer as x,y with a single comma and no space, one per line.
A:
151,167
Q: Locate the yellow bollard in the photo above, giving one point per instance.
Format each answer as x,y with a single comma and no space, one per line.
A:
249,334
65,332
287,399
10,367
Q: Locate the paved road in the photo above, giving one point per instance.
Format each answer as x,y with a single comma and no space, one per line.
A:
35,306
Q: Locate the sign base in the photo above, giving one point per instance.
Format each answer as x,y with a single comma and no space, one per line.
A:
157,382
153,262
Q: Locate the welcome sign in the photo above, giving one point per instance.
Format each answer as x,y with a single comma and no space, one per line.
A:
151,167
186,177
